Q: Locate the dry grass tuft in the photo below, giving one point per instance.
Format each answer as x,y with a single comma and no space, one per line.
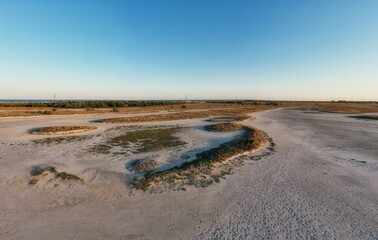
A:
143,165
62,129
67,176
50,172
40,171
224,127
59,140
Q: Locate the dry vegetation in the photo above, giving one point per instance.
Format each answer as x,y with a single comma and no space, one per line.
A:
41,172
351,108
59,140
62,129
231,114
146,140
206,167
229,119
38,109
223,127
149,140
143,165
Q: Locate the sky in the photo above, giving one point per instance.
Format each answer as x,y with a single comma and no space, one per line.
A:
202,49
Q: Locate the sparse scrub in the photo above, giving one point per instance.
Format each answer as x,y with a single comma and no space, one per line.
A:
238,114
149,140
39,171
143,165
61,129
45,171
58,140
350,108
223,127
195,172
67,176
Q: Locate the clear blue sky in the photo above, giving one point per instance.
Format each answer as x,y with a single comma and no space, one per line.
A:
256,49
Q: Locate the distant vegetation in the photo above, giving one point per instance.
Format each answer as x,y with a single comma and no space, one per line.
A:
88,104
223,127
349,108
116,104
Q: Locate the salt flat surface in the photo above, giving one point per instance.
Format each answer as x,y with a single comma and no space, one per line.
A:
322,183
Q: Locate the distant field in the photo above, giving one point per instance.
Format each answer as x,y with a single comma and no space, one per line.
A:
20,110
369,117
347,108
17,110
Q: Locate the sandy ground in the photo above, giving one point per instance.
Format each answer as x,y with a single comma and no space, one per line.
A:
322,183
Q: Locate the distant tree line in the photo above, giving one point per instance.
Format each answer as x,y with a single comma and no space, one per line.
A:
88,104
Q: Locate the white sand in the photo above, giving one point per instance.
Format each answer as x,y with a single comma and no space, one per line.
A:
316,186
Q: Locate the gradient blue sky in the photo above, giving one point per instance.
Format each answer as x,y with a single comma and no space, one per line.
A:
256,49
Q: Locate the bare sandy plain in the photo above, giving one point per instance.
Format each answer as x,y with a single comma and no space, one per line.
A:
320,183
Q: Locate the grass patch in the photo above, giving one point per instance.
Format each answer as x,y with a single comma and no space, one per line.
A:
67,176
229,119
62,129
348,108
59,140
197,172
143,165
52,172
223,127
233,114
149,140
40,171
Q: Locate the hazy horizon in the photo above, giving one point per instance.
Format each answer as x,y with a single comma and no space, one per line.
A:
165,50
